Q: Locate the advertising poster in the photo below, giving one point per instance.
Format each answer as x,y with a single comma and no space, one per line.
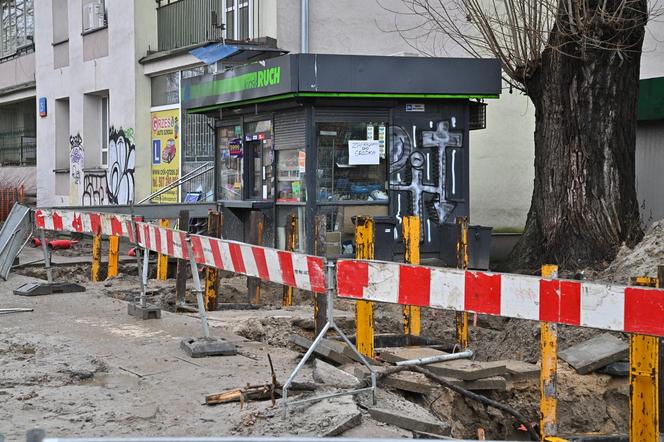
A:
165,153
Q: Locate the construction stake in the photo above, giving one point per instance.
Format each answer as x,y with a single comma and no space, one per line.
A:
162,260
411,239
549,370
643,388
364,329
255,237
461,318
96,257
113,256
211,274
291,245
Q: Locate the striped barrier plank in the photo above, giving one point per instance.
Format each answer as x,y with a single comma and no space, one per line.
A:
586,304
84,222
305,272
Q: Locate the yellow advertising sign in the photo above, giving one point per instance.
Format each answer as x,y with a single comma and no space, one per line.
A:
165,153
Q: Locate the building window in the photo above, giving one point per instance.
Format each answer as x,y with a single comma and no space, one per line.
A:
104,130
166,89
60,12
16,26
94,15
237,13
229,143
351,162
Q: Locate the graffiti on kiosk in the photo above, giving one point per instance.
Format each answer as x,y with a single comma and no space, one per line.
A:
418,174
121,166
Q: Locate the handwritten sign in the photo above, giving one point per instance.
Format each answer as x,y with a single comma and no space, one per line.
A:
362,152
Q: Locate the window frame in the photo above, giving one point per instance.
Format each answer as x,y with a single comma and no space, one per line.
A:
234,6
92,29
105,127
11,40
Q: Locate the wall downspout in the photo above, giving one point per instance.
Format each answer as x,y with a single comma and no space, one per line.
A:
304,26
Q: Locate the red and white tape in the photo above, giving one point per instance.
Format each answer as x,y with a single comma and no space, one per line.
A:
84,222
293,269
609,307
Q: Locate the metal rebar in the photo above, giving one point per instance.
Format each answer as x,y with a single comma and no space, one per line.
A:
440,358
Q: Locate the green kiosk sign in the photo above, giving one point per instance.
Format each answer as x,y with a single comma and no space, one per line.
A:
256,80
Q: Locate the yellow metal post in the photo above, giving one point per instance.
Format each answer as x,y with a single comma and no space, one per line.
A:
644,388
162,260
113,256
549,370
211,274
461,318
364,243
291,246
411,239
96,257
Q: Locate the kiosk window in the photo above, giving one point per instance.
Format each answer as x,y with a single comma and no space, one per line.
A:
259,147
290,176
229,143
351,162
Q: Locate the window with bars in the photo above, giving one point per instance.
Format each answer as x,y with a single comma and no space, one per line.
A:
16,26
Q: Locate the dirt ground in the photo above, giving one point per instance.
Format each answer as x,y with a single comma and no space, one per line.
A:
79,365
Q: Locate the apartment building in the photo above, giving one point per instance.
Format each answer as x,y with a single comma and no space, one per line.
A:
18,105
93,139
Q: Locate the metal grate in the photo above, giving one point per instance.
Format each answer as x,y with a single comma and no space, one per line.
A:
477,116
290,130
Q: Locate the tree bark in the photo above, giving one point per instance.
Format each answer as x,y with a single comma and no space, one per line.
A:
584,204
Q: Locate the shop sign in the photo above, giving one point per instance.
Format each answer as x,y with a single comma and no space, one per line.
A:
165,152
381,140
302,161
235,148
415,107
363,152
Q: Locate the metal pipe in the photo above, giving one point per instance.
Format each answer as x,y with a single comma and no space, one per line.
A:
304,26
187,177
440,358
144,291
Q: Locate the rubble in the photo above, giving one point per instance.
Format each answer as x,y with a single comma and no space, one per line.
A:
594,353
327,374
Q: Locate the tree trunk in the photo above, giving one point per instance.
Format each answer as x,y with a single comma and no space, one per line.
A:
584,204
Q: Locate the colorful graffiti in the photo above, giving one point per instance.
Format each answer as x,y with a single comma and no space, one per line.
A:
418,175
76,165
121,166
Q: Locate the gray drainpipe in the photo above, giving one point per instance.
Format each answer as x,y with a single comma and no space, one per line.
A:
304,26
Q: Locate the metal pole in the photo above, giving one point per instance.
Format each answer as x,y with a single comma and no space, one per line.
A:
439,358
364,330
461,318
113,256
162,260
304,26
144,277
96,257
47,257
549,370
137,250
198,289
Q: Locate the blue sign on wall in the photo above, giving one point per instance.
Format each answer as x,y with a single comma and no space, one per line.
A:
42,107
156,152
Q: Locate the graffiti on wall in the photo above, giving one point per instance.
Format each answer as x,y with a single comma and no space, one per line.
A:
76,164
418,174
121,166
94,189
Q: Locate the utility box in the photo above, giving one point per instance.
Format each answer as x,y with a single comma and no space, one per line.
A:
384,238
479,246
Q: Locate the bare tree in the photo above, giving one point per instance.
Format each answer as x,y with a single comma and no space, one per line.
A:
578,61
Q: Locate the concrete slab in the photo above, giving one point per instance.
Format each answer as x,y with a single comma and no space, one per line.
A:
45,288
618,369
330,375
463,369
418,383
595,353
204,347
520,370
148,312
393,409
324,350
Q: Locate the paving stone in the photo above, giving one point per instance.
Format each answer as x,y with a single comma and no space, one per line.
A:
595,353
204,347
463,369
330,375
520,370
324,350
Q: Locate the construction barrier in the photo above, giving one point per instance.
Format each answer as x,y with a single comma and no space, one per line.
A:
609,307
297,270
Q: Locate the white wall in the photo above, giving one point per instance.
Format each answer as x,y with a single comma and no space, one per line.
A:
17,71
116,73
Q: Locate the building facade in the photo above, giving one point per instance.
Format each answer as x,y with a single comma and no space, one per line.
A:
18,104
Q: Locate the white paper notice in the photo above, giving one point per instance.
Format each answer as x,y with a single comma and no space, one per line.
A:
361,152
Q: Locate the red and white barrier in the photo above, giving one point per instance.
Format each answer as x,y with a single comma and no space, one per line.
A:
84,222
293,269
609,307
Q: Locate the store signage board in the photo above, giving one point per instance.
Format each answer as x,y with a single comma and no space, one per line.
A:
417,107
363,152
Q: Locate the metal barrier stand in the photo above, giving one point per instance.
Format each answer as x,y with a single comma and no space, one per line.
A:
47,256
330,324
142,310
198,288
